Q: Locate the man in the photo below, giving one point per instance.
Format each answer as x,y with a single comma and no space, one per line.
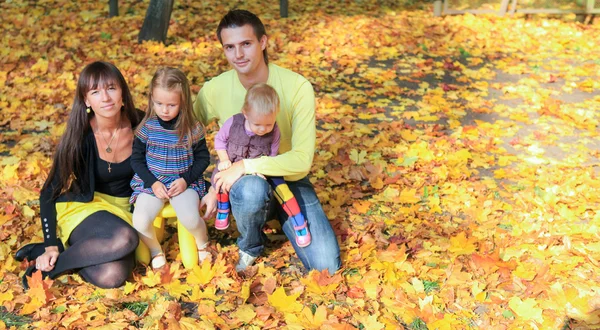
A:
244,42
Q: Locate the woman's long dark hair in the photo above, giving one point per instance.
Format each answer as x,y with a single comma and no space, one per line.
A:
69,160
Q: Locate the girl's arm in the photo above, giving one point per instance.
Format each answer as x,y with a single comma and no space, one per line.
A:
201,162
138,163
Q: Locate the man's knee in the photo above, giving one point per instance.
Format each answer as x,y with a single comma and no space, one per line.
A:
250,190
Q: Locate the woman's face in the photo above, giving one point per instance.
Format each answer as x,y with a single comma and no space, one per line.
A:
105,100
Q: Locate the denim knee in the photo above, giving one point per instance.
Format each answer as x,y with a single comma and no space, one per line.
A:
250,191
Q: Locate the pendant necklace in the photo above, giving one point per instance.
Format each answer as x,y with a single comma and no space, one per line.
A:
107,149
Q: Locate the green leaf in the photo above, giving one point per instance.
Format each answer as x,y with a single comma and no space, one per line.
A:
409,161
59,309
508,314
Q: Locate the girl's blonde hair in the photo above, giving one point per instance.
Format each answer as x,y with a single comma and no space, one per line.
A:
261,99
174,80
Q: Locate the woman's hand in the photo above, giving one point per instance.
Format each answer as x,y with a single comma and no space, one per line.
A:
159,190
177,187
210,200
46,261
224,164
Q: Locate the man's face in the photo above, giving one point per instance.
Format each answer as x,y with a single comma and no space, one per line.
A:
243,50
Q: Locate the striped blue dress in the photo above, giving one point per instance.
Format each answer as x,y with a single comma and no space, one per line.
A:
166,157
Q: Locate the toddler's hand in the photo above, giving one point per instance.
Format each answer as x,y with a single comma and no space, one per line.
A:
160,191
177,187
224,164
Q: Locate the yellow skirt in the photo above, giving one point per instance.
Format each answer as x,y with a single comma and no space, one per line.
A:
70,214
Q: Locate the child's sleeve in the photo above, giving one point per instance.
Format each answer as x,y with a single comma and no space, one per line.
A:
201,157
275,143
223,135
138,162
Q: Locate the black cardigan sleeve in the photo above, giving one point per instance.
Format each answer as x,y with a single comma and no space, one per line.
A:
48,211
201,162
138,163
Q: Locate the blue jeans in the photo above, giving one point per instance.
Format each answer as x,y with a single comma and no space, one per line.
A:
252,203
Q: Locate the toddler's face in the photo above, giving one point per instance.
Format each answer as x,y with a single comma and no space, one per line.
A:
166,103
260,124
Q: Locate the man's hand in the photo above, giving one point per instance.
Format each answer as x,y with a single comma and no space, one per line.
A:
224,164
159,190
210,200
224,180
46,261
177,187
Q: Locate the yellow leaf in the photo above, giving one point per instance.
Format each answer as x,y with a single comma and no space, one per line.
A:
32,306
245,294
526,309
408,135
314,321
409,196
283,302
6,296
152,279
201,276
129,287
370,322
461,245
358,157
176,289
244,313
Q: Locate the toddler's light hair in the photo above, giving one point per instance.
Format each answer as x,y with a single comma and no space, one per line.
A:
261,99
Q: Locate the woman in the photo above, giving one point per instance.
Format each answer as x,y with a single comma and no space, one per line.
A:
84,201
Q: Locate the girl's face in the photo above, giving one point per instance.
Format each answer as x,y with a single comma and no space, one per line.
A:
105,100
259,124
166,103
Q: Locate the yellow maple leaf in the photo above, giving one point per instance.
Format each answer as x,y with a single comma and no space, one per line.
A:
152,279
177,289
461,245
283,302
201,275
321,283
526,309
32,306
314,321
358,157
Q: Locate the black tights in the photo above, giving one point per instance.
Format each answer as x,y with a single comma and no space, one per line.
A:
101,249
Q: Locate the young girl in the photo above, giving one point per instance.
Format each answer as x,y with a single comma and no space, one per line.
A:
252,134
169,157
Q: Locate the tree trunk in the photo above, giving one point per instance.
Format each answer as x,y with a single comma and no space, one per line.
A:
113,8
157,20
283,8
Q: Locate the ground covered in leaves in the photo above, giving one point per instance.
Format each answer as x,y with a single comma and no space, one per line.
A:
457,159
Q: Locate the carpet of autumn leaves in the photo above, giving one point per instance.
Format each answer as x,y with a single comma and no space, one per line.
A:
457,158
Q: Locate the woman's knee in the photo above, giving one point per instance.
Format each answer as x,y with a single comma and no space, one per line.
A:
125,238
250,190
107,276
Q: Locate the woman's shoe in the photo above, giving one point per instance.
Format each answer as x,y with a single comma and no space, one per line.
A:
25,252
